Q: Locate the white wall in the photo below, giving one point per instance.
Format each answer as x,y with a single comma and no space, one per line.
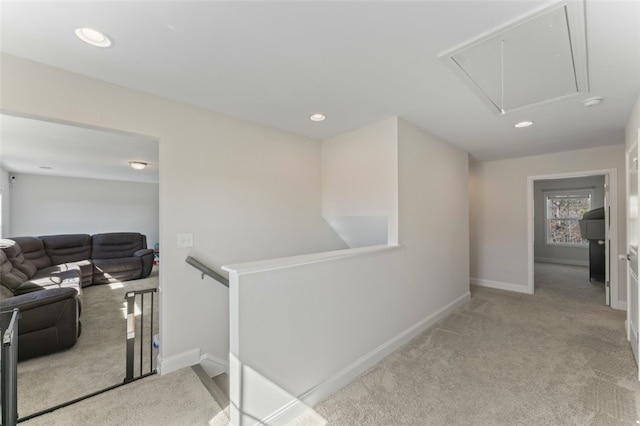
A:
633,125
544,252
44,205
244,190
360,184
5,190
498,212
304,327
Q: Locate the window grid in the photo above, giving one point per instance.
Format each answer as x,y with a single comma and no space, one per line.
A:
563,211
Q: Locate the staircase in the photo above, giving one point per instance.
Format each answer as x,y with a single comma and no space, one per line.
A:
217,386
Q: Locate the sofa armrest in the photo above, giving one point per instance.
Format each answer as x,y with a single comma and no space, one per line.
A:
146,255
49,321
143,252
36,299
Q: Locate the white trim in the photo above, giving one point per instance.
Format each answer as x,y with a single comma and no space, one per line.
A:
623,307
328,387
178,361
213,365
559,261
304,259
613,231
499,285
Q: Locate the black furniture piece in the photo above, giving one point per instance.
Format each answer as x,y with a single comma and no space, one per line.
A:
44,277
49,304
592,228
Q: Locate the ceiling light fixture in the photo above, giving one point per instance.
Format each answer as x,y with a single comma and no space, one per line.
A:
317,117
523,124
94,37
592,101
138,165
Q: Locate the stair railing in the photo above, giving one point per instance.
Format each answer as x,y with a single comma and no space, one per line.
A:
205,270
135,332
9,369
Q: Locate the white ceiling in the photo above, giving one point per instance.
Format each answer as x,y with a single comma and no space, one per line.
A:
58,149
357,62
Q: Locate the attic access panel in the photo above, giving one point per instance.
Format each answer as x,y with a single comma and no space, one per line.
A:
538,58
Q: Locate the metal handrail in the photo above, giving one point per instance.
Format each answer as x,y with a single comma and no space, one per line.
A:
205,270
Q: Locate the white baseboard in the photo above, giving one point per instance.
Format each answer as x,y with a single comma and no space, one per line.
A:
213,365
500,285
558,261
176,362
621,306
328,387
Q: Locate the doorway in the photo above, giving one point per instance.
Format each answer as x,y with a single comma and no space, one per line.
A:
82,178
557,251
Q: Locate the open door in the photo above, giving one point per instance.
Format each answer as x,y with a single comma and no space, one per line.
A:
633,320
607,241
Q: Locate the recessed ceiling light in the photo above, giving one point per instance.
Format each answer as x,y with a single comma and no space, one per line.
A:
138,165
523,124
318,117
94,37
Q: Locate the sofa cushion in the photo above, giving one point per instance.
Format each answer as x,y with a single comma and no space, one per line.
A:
58,276
86,270
115,245
67,248
10,276
120,269
15,256
5,293
33,251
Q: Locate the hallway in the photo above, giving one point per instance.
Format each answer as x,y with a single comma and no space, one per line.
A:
556,357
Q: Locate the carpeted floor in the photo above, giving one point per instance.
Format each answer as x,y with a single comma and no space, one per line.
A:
97,361
559,357
176,399
568,281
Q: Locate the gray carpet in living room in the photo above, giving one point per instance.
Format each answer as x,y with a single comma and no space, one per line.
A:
558,357
97,361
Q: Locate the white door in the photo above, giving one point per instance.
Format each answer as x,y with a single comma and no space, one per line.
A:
607,241
633,320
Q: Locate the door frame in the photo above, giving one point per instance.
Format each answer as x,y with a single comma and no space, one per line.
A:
625,255
613,229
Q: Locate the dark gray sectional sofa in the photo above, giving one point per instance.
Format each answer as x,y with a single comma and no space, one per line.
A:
44,277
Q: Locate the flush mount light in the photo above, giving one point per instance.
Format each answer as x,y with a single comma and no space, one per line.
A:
523,124
138,165
317,117
592,101
94,37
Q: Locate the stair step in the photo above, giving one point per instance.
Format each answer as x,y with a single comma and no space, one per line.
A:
219,392
222,380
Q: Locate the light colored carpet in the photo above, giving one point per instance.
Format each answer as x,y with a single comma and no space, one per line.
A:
96,362
553,358
568,281
178,398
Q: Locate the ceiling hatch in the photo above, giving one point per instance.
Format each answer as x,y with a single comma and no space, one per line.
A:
534,59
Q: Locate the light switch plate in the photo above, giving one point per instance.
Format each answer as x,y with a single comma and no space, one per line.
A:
185,240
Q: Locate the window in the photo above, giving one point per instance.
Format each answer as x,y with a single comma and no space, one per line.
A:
563,210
